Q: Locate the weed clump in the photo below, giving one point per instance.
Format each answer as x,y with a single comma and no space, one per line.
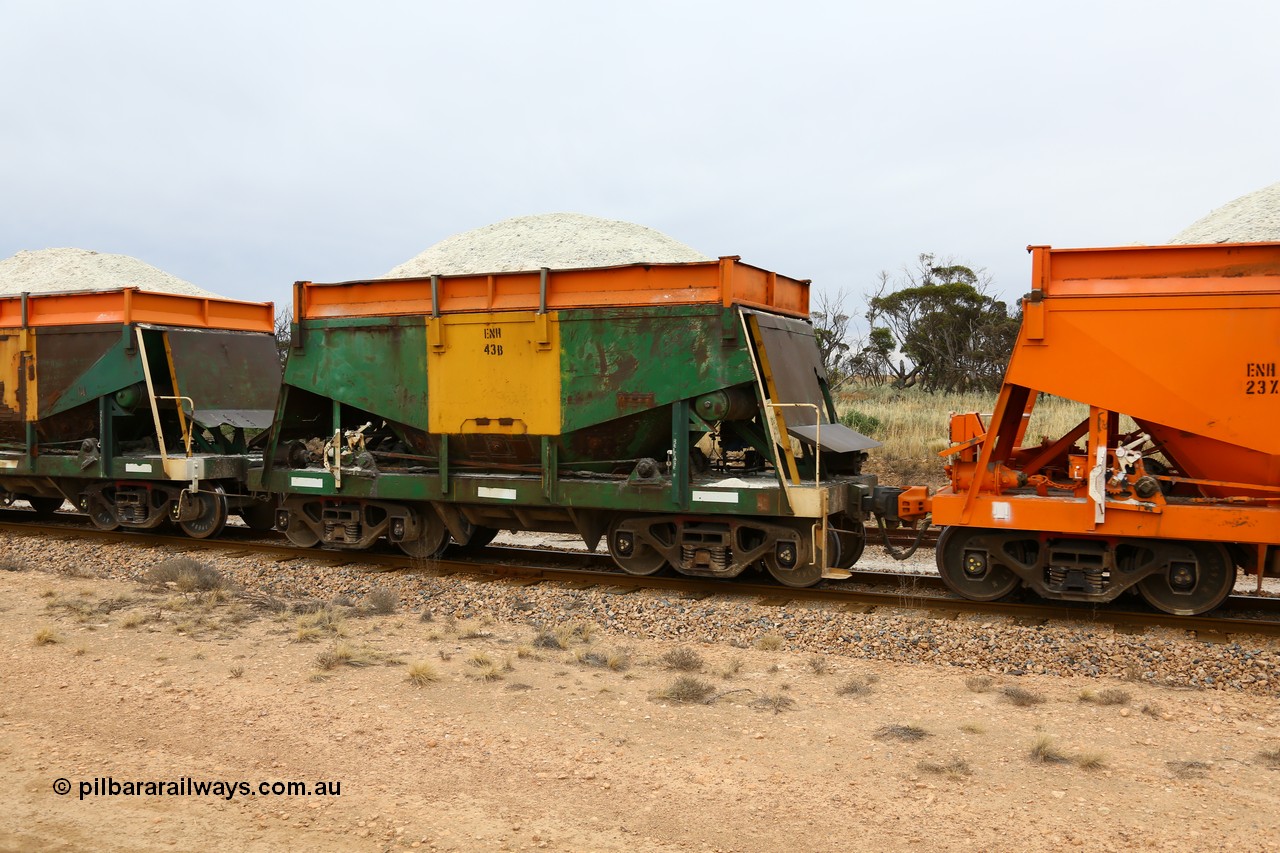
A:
1188,769
1045,751
343,653
903,733
1110,696
421,673
775,702
381,601
769,643
1020,696
185,575
979,683
46,637
683,659
688,689
954,769
858,685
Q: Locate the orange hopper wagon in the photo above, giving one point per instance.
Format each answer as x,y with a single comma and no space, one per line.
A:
1172,480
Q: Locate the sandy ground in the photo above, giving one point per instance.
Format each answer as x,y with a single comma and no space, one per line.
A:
549,748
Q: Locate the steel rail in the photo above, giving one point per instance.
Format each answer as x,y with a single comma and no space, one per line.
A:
586,570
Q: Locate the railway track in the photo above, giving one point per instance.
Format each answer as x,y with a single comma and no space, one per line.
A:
865,591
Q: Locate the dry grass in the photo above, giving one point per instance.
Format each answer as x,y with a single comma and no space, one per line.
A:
545,639
343,653
914,425
1188,769
775,702
311,627
617,660
858,685
687,689
1090,760
769,643
1021,696
46,637
979,683
1109,696
973,728
1270,757
730,668
1045,751
237,671
683,659
421,673
819,664
955,769
908,734
185,575
381,601
12,566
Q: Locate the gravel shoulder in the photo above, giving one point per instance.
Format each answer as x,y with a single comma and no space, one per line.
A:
539,722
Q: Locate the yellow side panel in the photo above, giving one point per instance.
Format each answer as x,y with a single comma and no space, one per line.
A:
13,344
495,372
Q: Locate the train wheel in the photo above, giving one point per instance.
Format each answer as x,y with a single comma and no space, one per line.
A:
480,537
45,507
299,534
100,511
968,567
211,509
851,538
791,561
631,555
431,538
1193,586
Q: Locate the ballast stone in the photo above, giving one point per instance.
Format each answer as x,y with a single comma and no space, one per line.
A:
554,240
58,270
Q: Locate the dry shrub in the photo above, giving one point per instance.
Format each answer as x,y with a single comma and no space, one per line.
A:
979,683
46,637
12,566
185,575
310,627
954,769
421,673
769,643
1020,696
1151,710
972,728
545,639
902,733
1090,760
775,702
382,601
1188,769
1045,751
1270,757
819,664
1109,696
858,685
236,671
730,668
683,659
344,654
687,689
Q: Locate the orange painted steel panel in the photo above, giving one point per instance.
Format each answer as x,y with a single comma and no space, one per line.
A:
727,281
1188,352
130,305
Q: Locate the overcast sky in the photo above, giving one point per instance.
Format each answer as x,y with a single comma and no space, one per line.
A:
242,146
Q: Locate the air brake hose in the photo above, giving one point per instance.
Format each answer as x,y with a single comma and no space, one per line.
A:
894,552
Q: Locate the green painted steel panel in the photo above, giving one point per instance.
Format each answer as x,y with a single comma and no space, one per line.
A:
620,362
377,364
